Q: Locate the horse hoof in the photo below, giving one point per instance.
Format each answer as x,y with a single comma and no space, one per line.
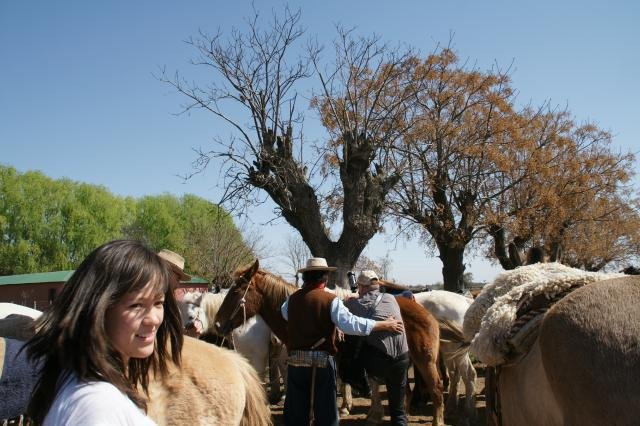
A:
344,411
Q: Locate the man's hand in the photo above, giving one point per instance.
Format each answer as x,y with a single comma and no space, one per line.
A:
390,324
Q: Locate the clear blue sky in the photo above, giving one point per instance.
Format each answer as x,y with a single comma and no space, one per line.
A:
78,98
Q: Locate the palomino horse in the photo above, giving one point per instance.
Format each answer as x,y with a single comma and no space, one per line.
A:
573,363
253,340
451,307
212,386
259,292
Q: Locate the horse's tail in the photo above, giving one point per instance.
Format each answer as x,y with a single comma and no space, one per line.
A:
451,332
256,408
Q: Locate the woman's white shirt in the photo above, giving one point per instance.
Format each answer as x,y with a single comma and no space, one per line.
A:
93,404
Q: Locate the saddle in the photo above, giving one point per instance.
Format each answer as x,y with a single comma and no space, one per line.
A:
530,312
510,325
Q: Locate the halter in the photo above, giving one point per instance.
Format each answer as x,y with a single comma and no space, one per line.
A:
242,303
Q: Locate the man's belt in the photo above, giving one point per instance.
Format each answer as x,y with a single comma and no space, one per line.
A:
298,358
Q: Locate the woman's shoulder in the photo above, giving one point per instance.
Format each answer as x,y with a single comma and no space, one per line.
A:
74,389
93,403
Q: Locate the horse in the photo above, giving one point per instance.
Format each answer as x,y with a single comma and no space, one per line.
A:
16,321
565,345
451,307
213,386
7,309
256,291
253,340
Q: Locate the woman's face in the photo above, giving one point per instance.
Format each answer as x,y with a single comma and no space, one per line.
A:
133,321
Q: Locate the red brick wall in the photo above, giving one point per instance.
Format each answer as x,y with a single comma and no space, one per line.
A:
37,296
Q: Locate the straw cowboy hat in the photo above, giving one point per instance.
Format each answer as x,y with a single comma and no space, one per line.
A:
317,264
177,263
366,277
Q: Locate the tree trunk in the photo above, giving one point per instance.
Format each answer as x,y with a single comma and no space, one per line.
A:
452,267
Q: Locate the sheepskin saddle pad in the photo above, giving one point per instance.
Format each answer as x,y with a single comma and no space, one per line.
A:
509,326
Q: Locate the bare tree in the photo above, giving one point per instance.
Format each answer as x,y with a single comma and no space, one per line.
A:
296,253
216,251
255,92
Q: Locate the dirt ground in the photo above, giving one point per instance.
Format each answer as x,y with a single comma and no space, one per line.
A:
420,415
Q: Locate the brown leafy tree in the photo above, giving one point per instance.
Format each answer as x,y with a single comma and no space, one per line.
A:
457,157
256,90
577,205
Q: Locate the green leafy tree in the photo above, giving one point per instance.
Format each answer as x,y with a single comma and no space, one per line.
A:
48,225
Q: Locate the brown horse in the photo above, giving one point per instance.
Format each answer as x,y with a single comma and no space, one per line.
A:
256,291
583,366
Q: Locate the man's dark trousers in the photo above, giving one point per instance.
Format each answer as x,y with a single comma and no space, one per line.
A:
394,374
296,403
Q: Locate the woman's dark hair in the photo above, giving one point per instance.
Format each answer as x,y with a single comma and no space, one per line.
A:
72,338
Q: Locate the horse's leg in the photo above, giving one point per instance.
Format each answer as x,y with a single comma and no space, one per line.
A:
469,377
347,398
376,411
454,369
429,372
276,372
407,390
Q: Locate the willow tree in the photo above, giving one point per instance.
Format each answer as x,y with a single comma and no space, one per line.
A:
335,186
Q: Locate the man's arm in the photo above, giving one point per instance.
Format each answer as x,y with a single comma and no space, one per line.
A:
284,310
359,326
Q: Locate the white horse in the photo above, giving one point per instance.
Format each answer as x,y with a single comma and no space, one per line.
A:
16,321
253,340
7,309
451,307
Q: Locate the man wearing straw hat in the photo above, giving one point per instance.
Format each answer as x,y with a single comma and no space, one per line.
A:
313,317
176,262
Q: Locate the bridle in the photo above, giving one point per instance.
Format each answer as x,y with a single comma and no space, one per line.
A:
242,303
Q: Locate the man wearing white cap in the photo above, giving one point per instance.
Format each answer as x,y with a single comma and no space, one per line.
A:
385,355
313,315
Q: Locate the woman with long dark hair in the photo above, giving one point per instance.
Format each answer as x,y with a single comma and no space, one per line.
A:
115,319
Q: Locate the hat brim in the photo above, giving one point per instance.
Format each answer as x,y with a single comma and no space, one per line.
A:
318,268
180,273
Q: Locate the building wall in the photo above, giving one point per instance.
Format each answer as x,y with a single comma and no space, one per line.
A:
38,296
189,288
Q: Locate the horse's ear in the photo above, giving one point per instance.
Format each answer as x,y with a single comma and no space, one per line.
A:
250,272
254,268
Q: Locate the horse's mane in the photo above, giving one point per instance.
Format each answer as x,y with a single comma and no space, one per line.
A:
275,289
210,304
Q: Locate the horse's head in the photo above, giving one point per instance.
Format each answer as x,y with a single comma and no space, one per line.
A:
242,302
193,319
